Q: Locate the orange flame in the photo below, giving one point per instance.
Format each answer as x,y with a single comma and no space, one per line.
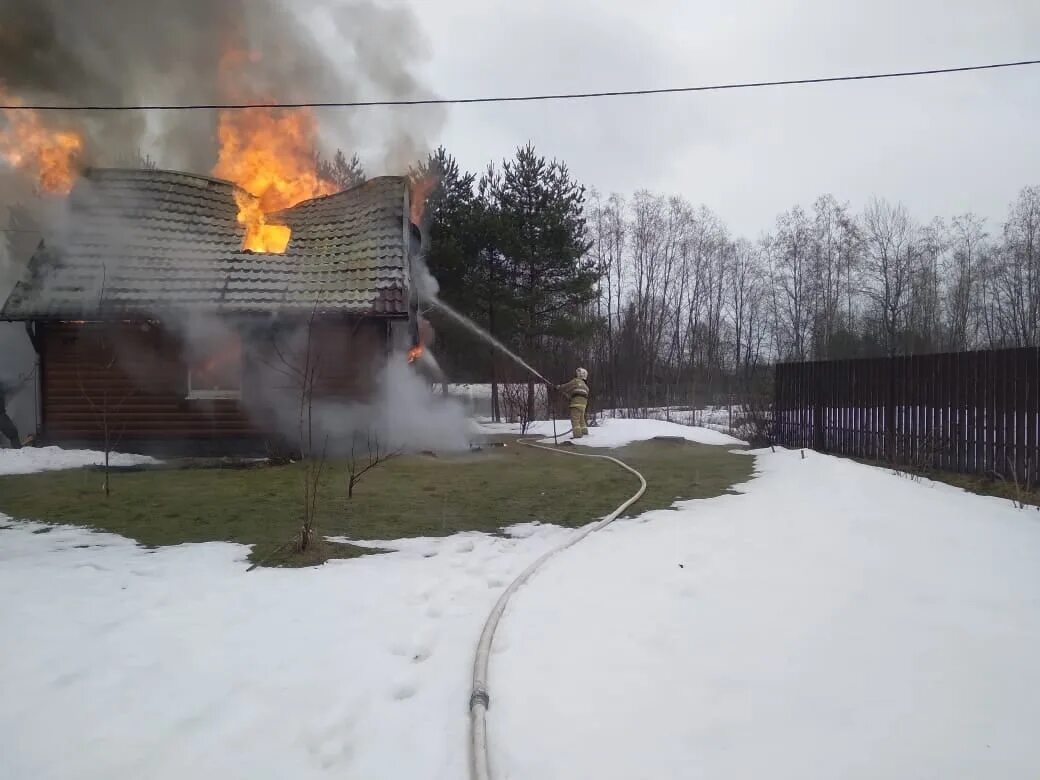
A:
51,156
422,187
415,353
260,236
270,154
232,352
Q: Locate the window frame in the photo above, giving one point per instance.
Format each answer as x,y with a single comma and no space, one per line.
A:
203,394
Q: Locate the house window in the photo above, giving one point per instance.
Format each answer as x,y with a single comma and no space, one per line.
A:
218,372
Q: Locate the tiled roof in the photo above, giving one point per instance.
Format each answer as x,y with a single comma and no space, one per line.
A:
140,242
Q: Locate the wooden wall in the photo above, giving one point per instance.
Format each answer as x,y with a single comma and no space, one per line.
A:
131,378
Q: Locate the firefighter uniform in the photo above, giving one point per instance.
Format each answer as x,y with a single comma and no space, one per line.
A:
577,392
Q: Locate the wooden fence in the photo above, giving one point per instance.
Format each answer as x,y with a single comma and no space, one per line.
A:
974,412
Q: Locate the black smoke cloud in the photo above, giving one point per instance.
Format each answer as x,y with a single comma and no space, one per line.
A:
129,52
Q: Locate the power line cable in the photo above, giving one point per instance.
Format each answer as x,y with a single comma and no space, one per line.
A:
524,98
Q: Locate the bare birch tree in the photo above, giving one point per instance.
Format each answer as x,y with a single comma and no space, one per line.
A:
795,300
888,262
965,266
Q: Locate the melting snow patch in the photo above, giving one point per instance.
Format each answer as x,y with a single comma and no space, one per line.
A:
29,460
832,620
612,433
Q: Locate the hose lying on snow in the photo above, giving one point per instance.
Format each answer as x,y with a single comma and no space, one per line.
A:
480,700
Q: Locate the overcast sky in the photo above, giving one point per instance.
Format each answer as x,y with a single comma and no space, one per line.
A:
941,144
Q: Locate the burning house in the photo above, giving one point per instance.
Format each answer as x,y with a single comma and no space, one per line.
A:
157,326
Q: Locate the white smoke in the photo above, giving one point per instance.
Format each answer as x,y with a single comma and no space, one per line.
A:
17,356
404,415
286,367
425,282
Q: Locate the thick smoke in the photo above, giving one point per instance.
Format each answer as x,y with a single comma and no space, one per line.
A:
288,366
82,52
403,416
202,51
19,236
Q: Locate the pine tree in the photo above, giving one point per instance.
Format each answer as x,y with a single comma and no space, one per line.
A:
459,234
344,173
541,234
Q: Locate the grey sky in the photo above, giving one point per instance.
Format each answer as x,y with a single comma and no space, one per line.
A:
943,145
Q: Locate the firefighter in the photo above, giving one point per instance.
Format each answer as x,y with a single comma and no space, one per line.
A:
7,428
577,393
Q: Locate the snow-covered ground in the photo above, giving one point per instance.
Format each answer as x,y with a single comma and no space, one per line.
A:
617,432
727,419
833,620
476,398
119,662
31,459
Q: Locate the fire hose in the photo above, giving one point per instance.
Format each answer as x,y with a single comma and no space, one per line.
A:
480,698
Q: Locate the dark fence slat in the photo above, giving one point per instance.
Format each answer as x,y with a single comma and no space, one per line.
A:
947,447
880,397
964,387
947,388
960,383
1033,417
906,404
803,422
1021,414
852,402
871,415
988,429
942,416
996,405
977,409
1033,424
919,398
999,438
879,408
980,412
835,408
974,412
853,405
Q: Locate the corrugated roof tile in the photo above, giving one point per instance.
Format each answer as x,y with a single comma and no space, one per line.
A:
140,240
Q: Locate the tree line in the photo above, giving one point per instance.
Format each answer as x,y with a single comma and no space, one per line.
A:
665,305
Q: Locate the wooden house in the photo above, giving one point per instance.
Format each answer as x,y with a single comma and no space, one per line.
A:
153,329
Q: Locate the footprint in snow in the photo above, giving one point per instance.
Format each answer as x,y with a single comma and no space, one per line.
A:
93,566
330,744
404,692
405,688
67,679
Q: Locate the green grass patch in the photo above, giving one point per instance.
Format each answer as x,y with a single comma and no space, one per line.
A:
981,484
415,495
